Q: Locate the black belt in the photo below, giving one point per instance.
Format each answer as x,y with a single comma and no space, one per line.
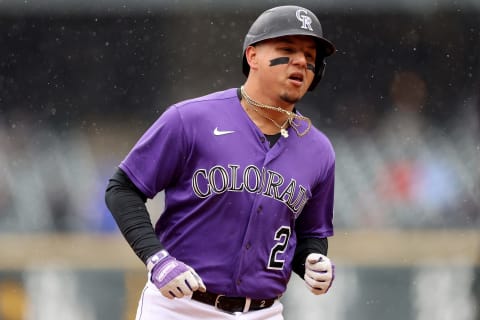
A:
232,304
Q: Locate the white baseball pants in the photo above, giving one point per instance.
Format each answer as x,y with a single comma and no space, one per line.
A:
153,306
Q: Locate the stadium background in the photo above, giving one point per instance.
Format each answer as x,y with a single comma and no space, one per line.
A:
81,80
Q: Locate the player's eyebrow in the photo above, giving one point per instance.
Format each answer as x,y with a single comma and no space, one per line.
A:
289,40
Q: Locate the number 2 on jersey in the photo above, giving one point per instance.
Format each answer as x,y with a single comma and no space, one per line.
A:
282,235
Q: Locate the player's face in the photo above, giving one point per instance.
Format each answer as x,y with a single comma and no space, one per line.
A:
286,66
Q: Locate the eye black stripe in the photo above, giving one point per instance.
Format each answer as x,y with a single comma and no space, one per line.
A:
277,61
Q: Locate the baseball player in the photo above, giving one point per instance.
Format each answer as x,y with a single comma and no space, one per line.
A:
248,181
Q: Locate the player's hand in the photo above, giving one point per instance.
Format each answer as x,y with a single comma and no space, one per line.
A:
319,273
175,279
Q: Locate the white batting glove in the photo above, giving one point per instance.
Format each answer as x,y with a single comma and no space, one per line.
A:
174,278
319,273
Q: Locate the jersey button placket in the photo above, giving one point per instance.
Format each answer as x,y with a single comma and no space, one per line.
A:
265,143
246,258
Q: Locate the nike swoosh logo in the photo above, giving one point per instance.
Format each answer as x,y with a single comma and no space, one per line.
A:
221,132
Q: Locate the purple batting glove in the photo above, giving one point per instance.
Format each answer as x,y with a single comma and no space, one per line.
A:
173,278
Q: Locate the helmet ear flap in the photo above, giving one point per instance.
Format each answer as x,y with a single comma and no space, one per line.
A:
319,73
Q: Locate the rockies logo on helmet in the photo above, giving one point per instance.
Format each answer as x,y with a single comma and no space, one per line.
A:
305,19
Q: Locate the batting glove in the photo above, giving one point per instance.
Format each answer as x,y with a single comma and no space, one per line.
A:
319,273
173,278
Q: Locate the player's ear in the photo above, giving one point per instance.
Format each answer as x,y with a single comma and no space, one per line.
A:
251,56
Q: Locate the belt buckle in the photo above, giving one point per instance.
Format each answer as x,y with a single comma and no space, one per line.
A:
246,306
217,300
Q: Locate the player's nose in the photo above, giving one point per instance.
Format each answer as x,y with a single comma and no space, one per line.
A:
300,59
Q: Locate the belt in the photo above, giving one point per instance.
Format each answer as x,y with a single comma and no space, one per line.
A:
232,304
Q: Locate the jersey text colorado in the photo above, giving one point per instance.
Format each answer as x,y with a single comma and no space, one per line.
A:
219,179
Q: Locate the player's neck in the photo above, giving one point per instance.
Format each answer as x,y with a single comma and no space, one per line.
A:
265,96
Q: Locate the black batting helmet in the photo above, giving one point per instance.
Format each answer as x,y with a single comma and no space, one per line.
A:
287,21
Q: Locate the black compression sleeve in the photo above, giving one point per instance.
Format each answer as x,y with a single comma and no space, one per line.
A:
127,205
304,248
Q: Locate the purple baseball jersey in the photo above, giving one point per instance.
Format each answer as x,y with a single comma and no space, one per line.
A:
234,206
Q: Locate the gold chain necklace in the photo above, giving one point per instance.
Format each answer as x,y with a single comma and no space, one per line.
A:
283,127
290,116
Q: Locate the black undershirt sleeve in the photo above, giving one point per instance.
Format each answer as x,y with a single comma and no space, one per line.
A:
127,205
304,248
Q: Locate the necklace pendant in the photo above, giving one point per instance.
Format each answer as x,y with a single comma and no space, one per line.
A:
284,133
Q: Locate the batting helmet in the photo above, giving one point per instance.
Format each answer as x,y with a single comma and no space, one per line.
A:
287,21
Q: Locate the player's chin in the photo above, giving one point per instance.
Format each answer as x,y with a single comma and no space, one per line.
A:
292,96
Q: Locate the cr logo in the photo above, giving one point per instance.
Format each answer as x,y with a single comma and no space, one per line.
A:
305,19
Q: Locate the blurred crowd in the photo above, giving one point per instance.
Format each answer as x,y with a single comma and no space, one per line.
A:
406,172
